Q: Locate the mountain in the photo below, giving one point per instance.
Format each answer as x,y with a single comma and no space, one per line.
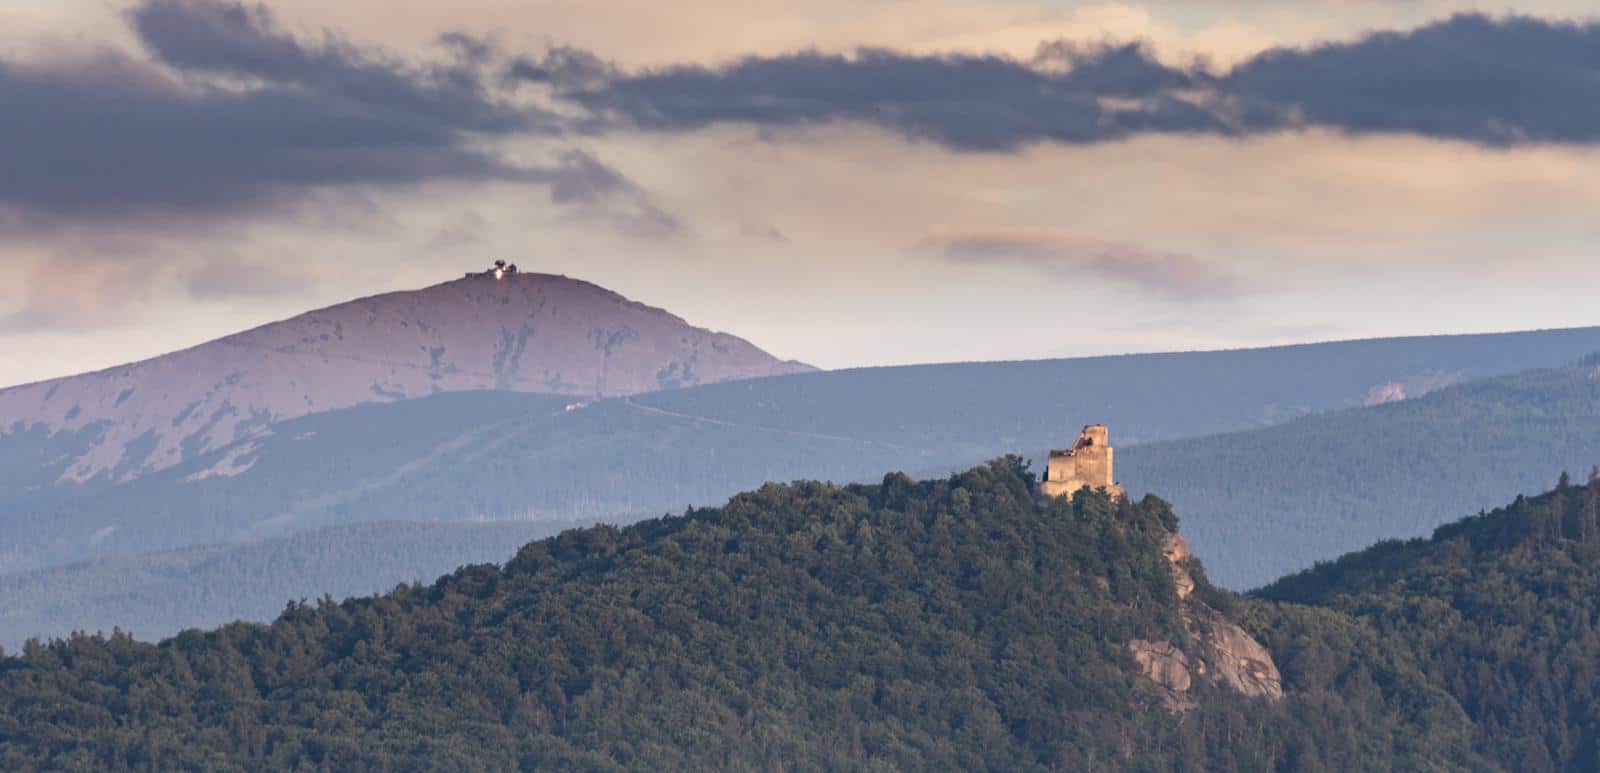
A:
472,456
1499,611
451,457
956,624
526,332
475,455
1317,487
996,407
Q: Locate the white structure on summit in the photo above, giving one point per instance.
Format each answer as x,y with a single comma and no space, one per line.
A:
500,270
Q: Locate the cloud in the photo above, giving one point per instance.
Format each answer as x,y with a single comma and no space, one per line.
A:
235,39
468,48
986,103
1068,255
565,67
597,190
111,136
1124,70
234,116
1491,81
1506,81
106,135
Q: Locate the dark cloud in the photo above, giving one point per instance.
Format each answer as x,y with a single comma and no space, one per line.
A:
235,39
468,48
564,67
1493,81
967,102
1066,255
234,115
1126,70
110,136
583,179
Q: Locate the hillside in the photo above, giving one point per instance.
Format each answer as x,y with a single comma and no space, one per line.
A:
255,489
963,623
527,332
1502,611
157,595
1317,487
991,408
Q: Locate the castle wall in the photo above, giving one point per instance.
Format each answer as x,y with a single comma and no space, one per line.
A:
1094,465
1061,468
1088,463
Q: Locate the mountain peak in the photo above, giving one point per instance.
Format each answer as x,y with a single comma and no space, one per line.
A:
528,332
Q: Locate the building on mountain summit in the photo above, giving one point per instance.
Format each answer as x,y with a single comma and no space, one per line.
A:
500,270
1086,463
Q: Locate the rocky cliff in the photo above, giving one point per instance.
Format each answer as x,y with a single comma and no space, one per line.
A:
1218,649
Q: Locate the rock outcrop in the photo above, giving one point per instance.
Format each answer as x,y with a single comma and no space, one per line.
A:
1221,651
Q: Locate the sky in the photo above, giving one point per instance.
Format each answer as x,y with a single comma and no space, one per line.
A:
843,183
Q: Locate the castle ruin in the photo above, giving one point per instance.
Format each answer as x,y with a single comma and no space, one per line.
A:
1086,463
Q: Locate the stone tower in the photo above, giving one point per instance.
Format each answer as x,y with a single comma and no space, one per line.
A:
1087,463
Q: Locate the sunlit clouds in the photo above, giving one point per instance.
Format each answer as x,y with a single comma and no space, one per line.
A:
843,185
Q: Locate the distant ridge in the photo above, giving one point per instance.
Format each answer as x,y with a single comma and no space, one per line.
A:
1313,488
534,333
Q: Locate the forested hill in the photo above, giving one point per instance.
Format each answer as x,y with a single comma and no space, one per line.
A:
1501,610
160,594
1318,487
956,624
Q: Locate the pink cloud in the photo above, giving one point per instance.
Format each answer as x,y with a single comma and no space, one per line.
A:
1064,253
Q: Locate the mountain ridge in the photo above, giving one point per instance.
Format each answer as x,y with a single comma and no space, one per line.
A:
534,333
1326,484
512,455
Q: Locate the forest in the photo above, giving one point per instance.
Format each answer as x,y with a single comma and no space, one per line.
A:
1324,485
963,622
1501,611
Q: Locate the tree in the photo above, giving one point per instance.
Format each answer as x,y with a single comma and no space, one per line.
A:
1590,517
